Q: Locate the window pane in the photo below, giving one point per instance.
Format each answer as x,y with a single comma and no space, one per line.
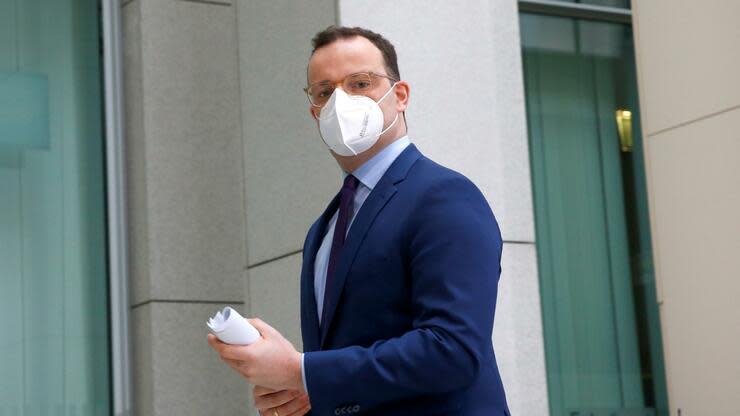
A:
622,4
602,334
53,281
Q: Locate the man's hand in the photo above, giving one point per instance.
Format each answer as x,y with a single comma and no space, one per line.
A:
271,362
283,403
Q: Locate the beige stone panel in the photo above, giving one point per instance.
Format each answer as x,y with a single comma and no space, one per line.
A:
688,58
694,188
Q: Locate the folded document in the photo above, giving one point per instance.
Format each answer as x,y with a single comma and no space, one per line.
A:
231,328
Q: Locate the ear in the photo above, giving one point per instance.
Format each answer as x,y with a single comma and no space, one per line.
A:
402,91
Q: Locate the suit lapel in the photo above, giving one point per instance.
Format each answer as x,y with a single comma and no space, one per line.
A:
378,198
309,311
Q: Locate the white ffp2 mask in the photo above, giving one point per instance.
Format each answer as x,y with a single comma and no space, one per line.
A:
351,124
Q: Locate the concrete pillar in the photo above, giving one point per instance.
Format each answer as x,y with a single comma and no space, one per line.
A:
186,190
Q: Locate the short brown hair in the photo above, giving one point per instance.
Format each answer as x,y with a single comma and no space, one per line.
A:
334,33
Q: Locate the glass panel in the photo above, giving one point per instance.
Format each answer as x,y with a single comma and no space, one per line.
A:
602,333
53,281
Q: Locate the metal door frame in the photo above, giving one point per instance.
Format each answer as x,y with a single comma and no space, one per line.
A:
115,163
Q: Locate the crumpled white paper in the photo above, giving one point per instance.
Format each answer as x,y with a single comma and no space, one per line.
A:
231,328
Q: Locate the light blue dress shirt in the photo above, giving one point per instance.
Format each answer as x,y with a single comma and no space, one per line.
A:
368,174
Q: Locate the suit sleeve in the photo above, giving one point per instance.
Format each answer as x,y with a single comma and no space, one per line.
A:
454,251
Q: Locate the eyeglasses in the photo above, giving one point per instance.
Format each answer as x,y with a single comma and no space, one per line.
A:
359,83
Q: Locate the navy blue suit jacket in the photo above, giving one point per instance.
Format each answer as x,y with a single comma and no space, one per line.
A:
408,330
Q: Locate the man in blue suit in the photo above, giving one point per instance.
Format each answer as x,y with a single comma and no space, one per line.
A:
400,272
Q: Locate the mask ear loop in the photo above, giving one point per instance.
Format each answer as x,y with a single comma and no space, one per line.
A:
378,102
387,92
389,126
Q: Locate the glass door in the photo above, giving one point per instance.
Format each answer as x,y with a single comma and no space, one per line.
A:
54,356
602,334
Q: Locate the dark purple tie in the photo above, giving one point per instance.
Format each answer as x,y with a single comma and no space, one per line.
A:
346,200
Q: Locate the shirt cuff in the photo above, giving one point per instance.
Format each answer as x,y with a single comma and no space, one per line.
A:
303,373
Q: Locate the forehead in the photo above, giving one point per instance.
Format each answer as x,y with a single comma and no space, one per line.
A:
343,57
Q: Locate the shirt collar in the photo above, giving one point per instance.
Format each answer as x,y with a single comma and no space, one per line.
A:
370,172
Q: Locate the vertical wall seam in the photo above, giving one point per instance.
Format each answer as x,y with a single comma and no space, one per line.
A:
143,185
245,231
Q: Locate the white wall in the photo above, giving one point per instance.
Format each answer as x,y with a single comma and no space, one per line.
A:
463,61
688,59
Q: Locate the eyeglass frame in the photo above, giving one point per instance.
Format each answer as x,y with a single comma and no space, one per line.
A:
341,81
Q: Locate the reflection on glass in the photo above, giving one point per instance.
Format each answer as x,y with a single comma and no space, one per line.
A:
622,4
24,109
602,333
53,282
624,128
